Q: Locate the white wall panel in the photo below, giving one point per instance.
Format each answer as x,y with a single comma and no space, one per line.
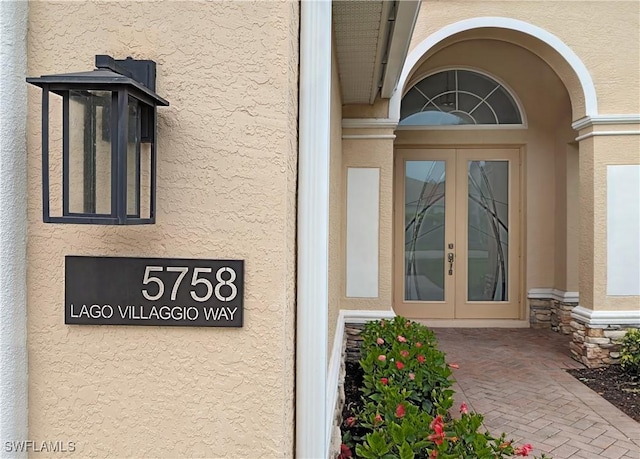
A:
623,230
363,204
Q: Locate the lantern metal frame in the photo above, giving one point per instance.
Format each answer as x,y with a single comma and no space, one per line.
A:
124,79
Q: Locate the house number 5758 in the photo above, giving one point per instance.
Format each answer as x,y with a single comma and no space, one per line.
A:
225,276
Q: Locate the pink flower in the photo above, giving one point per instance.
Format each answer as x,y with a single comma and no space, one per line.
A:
350,421
523,450
382,357
377,419
464,409
454,365
384,381
399,365
412,376
380,341
418,344
402,339
400,411
404,353
420,358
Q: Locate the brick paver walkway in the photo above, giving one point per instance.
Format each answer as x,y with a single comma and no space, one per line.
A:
516,379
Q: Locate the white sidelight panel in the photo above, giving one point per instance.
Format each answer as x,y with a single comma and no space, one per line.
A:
623,230
363,199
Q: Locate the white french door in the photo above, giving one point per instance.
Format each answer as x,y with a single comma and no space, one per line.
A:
457,233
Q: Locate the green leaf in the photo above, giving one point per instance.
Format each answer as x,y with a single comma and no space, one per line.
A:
406,452
396,433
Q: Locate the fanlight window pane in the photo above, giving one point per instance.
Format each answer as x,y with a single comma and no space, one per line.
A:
456,97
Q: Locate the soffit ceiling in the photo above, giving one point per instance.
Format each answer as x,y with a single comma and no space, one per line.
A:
371,40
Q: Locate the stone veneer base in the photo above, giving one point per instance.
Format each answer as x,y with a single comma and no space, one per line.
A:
597,346
549,313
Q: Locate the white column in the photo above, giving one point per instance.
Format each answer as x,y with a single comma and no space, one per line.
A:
13,224
313,229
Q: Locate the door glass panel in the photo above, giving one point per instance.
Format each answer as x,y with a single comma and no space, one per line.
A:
488,231
424,230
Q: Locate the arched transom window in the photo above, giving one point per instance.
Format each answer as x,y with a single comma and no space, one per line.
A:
458,97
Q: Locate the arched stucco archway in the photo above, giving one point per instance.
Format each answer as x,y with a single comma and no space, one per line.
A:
541,154
560,57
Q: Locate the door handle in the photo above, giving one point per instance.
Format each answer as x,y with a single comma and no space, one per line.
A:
450,259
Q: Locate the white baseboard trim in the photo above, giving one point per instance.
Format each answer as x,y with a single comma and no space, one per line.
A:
598,319
333,372
555,294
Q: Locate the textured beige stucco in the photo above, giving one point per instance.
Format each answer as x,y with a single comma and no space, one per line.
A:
603,34
375,153
226,189
336,191
595,154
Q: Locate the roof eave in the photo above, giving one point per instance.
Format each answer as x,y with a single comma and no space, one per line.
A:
398,48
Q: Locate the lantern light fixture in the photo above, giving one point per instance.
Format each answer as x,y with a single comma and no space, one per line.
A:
104,171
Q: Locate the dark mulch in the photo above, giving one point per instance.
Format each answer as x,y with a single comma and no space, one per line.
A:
353,380
615,385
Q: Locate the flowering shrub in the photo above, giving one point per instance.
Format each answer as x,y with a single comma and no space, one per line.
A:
403,354
407,399
630,352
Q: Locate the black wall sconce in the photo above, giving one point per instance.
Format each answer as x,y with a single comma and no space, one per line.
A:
108,159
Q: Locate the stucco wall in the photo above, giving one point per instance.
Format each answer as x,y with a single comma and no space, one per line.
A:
374,153
336,197
226,189
601,33
596,153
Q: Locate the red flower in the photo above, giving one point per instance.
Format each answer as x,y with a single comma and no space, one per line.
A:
350,421
418,344
402,339
437,438
433,454
464,409
345,452
404,353
437,425
399,365
380,341
454,365
420,358
400,411
384,381
382,357
377,419
523,450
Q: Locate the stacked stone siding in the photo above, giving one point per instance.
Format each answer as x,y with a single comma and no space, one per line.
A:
549,313
597,346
